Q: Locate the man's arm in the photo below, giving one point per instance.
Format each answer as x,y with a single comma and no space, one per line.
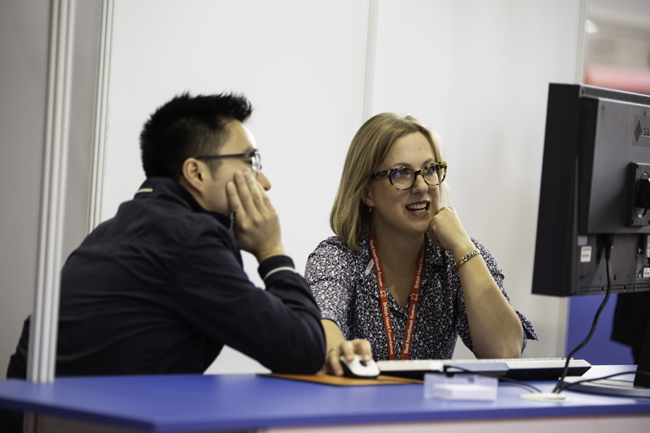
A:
279,327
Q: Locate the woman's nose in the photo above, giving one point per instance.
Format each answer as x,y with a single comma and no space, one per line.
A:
419,185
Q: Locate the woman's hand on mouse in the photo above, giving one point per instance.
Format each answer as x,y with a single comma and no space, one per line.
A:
348,349
447,231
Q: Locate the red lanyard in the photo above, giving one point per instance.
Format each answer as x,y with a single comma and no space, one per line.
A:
413,305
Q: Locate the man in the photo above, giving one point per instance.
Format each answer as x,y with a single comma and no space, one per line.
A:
160,288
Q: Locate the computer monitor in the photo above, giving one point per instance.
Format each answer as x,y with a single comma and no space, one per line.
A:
595,194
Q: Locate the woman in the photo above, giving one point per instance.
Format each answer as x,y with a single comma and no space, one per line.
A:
402,279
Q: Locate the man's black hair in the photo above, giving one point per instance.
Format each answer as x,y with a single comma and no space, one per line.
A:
188,126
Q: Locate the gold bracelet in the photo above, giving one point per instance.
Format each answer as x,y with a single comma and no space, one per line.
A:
468,256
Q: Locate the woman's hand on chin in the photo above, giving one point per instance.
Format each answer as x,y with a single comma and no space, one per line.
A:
348,349
447,231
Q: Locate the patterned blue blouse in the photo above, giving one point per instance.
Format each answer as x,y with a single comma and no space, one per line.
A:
344,284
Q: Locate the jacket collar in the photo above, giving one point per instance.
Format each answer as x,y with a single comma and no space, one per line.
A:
163,188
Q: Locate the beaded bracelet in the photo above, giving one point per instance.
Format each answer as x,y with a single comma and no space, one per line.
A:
467,256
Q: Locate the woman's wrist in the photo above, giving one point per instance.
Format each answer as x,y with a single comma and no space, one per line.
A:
475,252
463,249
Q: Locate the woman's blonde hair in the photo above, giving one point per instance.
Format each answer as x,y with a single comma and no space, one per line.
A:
368,149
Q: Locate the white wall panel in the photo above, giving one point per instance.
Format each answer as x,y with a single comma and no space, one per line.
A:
478,73
300,63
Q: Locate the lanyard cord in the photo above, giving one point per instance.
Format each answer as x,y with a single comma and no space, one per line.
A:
413,304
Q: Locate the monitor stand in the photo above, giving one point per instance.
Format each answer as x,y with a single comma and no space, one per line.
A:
639,386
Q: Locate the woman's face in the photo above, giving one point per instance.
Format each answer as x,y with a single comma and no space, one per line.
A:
406,212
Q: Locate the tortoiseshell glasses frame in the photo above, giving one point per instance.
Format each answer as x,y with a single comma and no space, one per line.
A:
433,174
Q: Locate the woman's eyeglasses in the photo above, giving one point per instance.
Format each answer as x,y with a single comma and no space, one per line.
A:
403,178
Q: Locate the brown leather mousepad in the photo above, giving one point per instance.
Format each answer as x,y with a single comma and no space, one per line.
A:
328,379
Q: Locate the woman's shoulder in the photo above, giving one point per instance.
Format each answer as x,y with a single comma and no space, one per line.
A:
334,251
332,242
333,245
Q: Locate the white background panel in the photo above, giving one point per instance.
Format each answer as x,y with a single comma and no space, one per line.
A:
300,63
478,73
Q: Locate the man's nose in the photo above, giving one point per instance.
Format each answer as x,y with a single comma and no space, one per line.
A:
264,181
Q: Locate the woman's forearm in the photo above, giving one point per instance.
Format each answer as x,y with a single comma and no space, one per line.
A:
333,335
493,324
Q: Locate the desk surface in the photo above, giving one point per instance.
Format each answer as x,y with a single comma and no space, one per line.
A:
228,402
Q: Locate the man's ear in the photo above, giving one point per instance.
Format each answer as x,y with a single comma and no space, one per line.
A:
194,174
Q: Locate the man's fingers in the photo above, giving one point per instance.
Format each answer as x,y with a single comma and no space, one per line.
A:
261,199
233,198
244,192
256,191
252,195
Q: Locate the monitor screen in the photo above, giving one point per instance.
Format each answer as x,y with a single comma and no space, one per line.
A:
595,197
595,183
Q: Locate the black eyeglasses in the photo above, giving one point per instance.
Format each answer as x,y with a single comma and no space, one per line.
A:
403,178
256,159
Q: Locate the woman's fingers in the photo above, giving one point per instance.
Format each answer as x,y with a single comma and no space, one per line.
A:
362,347
347,349
333,363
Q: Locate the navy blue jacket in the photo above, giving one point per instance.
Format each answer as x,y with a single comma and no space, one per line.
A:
160,288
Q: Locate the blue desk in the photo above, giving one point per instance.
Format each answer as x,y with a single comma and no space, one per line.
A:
247,402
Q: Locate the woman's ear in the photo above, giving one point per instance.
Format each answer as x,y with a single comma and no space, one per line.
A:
366,197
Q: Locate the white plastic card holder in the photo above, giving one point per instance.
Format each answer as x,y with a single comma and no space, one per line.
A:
460,387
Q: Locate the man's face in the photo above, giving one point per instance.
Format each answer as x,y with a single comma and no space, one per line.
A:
240,140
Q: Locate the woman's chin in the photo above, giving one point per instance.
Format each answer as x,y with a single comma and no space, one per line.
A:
420,229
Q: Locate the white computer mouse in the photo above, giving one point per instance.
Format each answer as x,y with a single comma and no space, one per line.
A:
359,368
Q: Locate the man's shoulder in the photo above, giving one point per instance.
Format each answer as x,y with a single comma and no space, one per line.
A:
151,219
